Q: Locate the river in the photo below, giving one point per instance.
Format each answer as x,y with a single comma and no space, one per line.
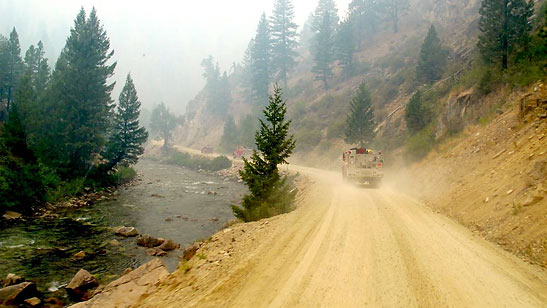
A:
169,201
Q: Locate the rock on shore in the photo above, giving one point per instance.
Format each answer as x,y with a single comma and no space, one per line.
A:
125,291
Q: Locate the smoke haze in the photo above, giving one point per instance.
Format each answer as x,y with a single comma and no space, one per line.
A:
160,42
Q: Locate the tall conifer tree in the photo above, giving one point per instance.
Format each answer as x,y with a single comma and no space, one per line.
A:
14,68
432,59
269,193
360,122
81,95
323,51
504,24
394,9
126,142
325,7
283,32
345,45
36,64
261,62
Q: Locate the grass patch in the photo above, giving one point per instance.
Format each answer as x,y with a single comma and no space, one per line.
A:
123,175
419,145
198,162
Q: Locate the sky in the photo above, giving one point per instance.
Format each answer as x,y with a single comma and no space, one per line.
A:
161,43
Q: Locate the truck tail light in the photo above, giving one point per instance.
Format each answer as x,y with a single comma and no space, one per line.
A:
379,165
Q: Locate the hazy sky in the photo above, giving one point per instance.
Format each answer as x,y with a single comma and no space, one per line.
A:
160,42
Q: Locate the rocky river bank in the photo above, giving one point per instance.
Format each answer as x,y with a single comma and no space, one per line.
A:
168,202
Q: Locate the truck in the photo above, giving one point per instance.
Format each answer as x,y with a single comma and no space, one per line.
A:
363,166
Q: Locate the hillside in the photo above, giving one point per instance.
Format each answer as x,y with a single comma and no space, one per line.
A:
493,178
386,63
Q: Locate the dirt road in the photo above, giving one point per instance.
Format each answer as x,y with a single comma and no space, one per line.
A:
349,246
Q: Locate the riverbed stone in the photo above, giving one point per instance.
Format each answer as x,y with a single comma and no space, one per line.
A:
149,241
81,284
79,255
169,245
125,291
12,279
33,301
114,243
126,231
156,251
10,215
16,294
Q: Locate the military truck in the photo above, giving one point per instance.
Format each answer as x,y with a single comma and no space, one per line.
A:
363,166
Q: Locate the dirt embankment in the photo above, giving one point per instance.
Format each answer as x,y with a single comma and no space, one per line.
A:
493,178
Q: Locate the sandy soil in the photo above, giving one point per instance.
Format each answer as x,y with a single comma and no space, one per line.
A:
348,246
493,177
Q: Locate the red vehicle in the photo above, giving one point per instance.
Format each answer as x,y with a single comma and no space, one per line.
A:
241,152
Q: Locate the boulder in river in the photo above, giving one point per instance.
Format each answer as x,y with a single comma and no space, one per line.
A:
80,285
156,251
33,301
79,255
12,279
16,294
169,245
10,215
126,231
149,241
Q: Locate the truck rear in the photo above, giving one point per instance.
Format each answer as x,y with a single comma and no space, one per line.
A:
364,166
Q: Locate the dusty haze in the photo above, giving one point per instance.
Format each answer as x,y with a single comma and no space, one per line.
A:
161,42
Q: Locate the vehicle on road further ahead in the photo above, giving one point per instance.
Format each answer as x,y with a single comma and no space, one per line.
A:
364,166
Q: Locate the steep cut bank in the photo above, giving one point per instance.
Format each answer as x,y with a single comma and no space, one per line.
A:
493,177
348,246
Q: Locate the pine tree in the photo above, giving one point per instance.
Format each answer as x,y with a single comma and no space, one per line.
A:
433,57
364,16
36,64
394,9
283,33
269,193
345,46
324,8
246,63
504,24
14,66
80,95
246,131
126,142
21,185
219,94
360,122
162,124
323,51
228,142
416,115
4,60
261,61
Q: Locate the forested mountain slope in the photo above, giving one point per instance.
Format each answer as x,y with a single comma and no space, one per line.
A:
386,60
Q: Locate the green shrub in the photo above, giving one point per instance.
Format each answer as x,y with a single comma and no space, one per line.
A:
198,162
307,139
66,190
419,145
123,175
219,163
